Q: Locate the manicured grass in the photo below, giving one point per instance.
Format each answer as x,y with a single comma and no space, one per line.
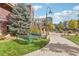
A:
74,39
16,48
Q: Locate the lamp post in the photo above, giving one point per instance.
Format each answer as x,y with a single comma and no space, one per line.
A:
48,10
78,19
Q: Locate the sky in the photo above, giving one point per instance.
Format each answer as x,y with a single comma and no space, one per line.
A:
60,11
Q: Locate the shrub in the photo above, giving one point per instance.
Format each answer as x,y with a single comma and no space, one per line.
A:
21,41
40,42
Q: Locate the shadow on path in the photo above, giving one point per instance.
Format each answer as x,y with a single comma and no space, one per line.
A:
59,48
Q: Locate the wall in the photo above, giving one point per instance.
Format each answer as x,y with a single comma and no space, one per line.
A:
3,20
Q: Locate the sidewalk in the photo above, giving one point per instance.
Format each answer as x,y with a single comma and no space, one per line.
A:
58,46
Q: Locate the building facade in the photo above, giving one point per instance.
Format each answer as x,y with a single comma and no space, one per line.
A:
4,12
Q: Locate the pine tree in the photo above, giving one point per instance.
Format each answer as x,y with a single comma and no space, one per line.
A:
19,20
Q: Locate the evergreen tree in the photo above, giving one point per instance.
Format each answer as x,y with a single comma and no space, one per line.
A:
19,20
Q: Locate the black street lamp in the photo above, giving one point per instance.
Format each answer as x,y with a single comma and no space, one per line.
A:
78,20
48,10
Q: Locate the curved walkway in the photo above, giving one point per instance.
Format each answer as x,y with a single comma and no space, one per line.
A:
58,46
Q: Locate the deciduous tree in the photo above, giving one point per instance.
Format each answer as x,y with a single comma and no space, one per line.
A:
72,24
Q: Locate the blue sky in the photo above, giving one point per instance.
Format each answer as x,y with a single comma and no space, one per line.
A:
61,11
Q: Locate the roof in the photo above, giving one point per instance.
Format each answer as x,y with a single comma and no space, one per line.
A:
7,6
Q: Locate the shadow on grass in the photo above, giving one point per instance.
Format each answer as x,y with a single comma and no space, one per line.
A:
59,48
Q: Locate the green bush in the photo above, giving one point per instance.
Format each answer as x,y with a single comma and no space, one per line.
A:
21,41
40,42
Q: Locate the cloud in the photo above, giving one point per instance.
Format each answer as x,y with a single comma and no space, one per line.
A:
57,14
40,16
43,16
36,7
47,3
76,7
63,13
67,12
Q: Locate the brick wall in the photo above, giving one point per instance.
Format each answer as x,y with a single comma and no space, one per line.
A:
3,20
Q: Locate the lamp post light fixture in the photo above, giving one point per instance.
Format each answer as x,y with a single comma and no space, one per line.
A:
50,12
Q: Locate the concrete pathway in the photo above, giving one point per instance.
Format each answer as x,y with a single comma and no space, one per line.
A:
58,46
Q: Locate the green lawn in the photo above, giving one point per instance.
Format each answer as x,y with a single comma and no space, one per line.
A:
16,48
74,39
